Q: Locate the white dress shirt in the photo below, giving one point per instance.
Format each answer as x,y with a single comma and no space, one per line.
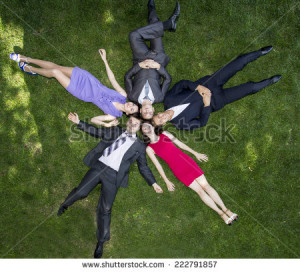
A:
143,94
178,109
114,159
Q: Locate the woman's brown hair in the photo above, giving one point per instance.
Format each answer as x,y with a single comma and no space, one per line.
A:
157,130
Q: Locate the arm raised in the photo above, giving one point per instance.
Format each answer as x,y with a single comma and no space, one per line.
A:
111,75
100,120
93,131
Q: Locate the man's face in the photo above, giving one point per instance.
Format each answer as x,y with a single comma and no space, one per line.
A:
133,125
160,119
147,112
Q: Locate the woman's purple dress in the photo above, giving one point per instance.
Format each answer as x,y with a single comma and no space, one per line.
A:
86,87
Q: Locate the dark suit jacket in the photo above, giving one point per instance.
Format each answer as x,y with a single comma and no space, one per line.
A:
135,86
137,152
195,115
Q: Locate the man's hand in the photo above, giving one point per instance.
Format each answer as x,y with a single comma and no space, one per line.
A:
73,117
203,90
149,63
205,93
145,64
157,188
206,99
153,64
102,53
201,157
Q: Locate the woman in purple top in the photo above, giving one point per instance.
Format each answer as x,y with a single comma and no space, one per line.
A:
84,86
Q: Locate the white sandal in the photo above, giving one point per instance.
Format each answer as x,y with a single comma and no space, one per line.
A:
17,58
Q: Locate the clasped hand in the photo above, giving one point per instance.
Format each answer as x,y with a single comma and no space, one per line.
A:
205,93
149,63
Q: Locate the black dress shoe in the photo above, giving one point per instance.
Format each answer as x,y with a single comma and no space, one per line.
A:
98,251
61,210
151,5
274,79
172,20
266,50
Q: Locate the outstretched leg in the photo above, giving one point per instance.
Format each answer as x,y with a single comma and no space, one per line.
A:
229,70
204,196
61,77
87,184
202,181
48,65
210,197
238,92
152,16
155,44
106,200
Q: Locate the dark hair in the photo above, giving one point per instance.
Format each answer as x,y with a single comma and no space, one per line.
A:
136,115
157,130
138,111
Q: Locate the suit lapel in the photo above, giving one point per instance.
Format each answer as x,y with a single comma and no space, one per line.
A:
131,150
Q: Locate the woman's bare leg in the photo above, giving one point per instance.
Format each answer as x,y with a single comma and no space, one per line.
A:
204,196
213,194
48,65
202,181
56,73
207,199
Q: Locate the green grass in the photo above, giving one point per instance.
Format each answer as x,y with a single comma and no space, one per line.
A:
40,165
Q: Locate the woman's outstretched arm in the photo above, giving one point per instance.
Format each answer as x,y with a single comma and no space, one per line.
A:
111,75
151,154
100,120
200,157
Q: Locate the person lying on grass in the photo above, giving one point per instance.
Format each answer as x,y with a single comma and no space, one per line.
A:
161,143
83,85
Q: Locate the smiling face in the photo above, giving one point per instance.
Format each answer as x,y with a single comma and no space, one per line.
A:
133,125
147,129
131,108
161,119
147,111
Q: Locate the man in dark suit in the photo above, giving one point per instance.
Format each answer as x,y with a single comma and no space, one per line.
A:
109,161
143,80
188,104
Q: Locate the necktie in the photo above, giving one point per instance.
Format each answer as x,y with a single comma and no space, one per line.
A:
147,86
107,151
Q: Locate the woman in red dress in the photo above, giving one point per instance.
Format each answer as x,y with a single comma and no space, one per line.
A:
184,168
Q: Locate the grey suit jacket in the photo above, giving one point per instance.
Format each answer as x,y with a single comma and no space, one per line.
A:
135,86
137,152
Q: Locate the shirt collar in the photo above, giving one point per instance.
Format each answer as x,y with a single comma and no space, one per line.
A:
132,135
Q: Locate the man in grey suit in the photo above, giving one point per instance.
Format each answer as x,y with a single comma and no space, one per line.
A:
109,161
143,80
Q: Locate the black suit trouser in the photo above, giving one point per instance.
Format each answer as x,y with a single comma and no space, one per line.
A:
108,178
152,32
225,96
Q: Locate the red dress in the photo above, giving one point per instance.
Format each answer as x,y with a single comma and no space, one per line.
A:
183,166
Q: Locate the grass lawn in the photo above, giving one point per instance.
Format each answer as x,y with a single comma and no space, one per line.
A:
257,176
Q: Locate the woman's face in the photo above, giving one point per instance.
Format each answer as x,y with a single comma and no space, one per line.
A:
131,108
147,129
